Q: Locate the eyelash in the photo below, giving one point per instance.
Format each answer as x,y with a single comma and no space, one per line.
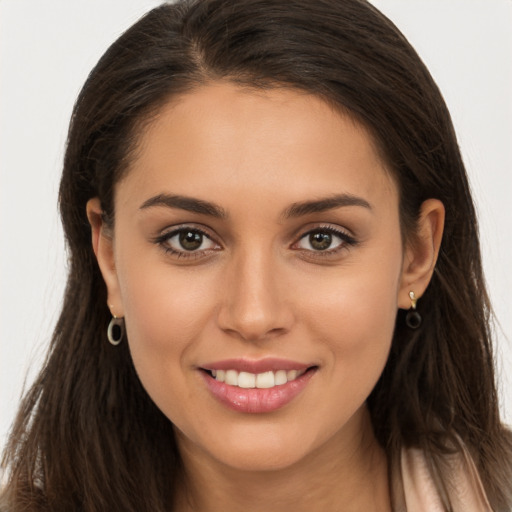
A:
347,241
164,238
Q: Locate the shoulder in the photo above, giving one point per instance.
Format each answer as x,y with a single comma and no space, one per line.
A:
458,489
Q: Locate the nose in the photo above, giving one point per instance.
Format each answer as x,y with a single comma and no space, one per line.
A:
255,303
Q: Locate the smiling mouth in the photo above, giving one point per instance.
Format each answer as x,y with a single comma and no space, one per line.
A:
264,390
265,380
252,380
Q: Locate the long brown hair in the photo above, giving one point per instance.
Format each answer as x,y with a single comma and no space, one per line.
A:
87,436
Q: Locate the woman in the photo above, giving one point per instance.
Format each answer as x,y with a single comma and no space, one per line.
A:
269,219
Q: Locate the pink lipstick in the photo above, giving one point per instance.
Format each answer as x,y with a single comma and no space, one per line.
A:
260,386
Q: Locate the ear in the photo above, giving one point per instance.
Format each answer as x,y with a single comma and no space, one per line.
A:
421,253
103,246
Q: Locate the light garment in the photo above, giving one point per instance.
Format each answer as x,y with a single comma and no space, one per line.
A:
419,493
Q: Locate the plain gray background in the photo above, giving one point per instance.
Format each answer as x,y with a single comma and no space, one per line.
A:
46,51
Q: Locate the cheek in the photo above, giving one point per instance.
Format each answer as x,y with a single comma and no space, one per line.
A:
354,316
166,313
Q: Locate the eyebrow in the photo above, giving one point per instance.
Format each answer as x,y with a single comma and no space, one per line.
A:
299,209
188,204
325,204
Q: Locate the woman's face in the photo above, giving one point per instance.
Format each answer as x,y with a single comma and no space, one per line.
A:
257,241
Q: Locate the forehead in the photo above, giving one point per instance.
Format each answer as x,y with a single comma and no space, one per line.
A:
224,139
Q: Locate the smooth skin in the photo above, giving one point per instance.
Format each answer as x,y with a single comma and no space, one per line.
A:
269,268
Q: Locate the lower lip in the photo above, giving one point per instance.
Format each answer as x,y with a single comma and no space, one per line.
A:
257,400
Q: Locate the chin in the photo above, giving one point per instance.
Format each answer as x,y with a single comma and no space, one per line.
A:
256,459
261,449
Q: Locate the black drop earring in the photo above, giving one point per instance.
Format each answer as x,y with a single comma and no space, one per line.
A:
413,318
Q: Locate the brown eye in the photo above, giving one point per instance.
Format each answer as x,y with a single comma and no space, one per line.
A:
190,240
320,241
185,241
325,240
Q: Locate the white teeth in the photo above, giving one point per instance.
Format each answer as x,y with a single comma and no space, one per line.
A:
251,380
280,377
231,377
291,374
246,380
264,380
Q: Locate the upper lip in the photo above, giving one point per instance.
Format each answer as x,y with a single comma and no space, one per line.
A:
256,366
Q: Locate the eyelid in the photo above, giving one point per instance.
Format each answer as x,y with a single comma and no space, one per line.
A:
323,226
192,226
171,231
347,239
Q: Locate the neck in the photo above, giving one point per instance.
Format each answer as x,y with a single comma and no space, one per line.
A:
348,473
